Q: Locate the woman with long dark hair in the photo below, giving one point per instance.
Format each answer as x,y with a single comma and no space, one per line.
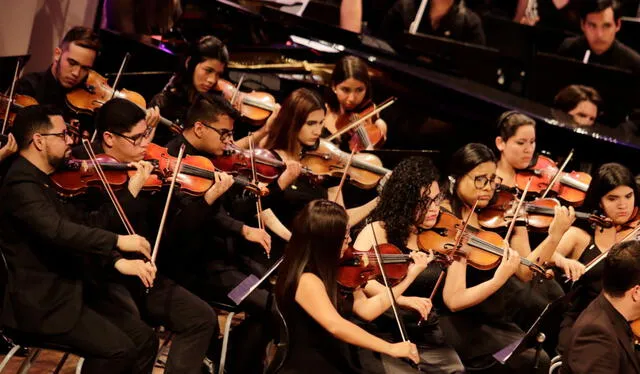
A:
350,94
316,309
480,304
614,194
409,203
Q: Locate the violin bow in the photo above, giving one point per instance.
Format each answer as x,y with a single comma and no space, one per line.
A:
387,103
176,171
125,60
112,196
603,255
254,177
344,176
557,175
237,90
10,99
392,298
515,216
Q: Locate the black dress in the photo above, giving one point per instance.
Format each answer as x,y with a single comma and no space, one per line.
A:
312,349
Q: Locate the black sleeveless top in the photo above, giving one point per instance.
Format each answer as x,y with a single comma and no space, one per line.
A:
589,286
312,349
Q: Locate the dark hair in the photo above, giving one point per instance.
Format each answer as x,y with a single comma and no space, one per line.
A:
292,116
401,197
317,236
207,108
569,97
31,120
596,6
605,179
509,123
118,115
208,47
621,268
463,161
348,67
83,37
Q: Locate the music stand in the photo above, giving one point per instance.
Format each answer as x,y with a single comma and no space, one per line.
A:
548,321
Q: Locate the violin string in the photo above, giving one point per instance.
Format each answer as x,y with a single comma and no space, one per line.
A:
557,175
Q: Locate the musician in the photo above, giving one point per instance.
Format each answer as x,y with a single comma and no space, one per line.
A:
124,134
480,304
613,193
581,102
204,65
42,240
600,22
443,18
316,310
350,94
601,340
516,142
217,262
297,128
409,203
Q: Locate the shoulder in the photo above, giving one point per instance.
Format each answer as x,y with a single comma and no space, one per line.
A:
365,238
628,52
28,83
309,282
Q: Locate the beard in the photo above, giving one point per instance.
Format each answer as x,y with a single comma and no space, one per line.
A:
56,160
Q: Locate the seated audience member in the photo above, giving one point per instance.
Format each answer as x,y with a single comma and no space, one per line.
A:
581,102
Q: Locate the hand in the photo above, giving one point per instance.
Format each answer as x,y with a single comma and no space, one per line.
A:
146,271
563,219
529,21
507,267
137,181
572,269
420,262
404,349
223,182
9,148
271,119
421,305
134,243
290,174
153,116
259,236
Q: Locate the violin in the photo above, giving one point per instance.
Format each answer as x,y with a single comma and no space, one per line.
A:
482,249
326,158
537,214
236,160
356,268
96,91
196,174
18,102
570,187
76,176
255,106
367,135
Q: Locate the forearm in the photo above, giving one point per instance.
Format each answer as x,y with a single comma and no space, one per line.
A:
542,254
379,302
352,334
351,15
357,214
275,225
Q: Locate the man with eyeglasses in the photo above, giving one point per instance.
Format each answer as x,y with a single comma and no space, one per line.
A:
43,239
220,261
124,134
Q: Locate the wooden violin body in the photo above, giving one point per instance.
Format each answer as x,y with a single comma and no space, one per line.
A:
18,102
327,159
367,135
254,106
356,268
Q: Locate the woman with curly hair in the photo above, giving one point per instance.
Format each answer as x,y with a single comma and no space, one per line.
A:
410,202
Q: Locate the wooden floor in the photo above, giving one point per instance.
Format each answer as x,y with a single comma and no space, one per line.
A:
47,360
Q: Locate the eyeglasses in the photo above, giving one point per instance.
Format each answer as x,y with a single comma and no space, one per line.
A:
62,135
224,134
481,181
425,202
135,139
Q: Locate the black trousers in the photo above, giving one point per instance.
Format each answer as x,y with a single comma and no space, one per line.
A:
105,347
192,321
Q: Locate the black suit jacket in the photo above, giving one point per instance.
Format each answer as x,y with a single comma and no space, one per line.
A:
601,342
43,242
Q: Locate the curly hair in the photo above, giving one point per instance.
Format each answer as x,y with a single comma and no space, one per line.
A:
399,207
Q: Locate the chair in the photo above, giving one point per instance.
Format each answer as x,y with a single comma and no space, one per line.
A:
22,341
232,310
281,341
556,363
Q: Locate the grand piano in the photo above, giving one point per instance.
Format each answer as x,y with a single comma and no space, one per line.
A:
449,93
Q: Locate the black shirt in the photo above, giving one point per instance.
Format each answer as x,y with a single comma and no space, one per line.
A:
46,89
460,23
619,55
